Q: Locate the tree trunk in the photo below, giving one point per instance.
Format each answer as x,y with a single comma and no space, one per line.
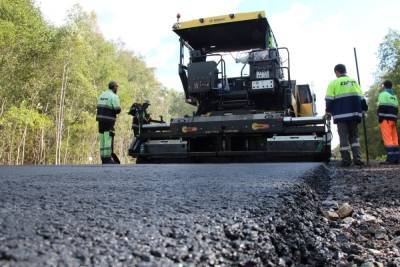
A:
23,144
19,148
94,148
66,148
11,148
2,107
42,142
60,115
41,147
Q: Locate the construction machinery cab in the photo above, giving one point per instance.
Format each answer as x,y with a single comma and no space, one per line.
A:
204,78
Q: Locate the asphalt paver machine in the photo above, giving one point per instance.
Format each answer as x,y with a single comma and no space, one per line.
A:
259,114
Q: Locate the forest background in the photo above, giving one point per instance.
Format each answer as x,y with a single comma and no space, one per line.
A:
50,77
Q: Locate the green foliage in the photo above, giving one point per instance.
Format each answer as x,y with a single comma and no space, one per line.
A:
16,117
50,78
389,53
177,107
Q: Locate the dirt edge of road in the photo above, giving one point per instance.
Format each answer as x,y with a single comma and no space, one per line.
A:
341,217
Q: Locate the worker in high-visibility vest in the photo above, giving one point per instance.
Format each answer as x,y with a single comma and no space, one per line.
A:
108,106
388,108
140,116
345,103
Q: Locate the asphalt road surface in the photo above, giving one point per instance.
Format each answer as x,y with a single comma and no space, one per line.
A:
145,215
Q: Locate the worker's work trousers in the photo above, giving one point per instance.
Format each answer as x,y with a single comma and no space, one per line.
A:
135,128
390,140
349,141
106,146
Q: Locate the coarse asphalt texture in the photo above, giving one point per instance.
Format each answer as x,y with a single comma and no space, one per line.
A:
139,215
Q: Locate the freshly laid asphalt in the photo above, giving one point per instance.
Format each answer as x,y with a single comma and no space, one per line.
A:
145,215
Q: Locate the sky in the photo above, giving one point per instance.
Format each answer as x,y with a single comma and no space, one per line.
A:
319,34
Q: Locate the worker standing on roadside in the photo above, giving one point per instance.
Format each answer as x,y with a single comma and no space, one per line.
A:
388,107
345,103
108,107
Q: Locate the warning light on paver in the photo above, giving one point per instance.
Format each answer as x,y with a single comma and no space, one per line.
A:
186,129
259,126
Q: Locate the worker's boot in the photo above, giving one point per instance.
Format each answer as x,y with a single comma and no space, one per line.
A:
107,160
346,159
357,156
391,157
397,155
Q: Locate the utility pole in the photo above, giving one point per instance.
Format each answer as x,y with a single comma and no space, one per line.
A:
363,116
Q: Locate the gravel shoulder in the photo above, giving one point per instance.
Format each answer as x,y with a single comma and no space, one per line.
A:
370,234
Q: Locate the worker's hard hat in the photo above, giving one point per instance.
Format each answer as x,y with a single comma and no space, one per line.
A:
146,102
